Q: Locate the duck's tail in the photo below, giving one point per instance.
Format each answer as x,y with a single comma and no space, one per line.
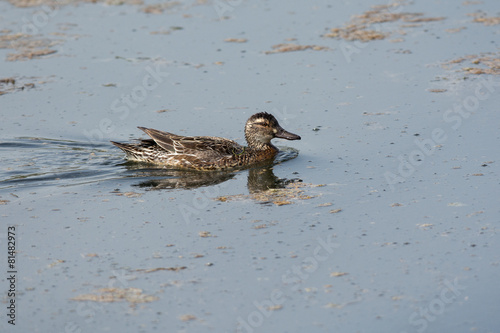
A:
138,152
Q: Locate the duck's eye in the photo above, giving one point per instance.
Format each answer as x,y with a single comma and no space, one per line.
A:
275,131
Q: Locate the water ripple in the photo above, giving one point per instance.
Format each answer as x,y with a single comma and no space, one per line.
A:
31,162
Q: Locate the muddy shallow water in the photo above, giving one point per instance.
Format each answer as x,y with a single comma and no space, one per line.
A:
381,219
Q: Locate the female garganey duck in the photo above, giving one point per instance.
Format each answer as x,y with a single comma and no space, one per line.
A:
207,152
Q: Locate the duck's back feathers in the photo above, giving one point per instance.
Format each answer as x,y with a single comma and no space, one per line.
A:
193,145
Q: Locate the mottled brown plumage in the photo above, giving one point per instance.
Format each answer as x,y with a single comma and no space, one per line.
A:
207,152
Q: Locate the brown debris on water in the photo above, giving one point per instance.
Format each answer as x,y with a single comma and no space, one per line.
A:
205,234
29,54
187,317
437,90
454,30
131,295
7,85
10,84
290,47
27,46
277,196
119,2
33,3
159,8
477,64
127,194
482,17
362,27
58,3
236,40
157,269
353,32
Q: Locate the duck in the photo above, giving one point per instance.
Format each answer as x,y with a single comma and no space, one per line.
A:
206,153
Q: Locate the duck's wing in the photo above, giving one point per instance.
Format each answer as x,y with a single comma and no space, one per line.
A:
164,139
193,145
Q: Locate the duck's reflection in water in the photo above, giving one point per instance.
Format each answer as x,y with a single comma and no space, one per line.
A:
260,178
263,178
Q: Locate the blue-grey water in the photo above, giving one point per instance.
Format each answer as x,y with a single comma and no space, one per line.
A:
395,229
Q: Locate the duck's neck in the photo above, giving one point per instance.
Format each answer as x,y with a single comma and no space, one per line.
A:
254,144
260,146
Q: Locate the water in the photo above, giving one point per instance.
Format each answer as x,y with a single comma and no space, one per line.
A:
37,162
382,218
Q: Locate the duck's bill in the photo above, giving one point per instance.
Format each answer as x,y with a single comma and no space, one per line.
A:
287,135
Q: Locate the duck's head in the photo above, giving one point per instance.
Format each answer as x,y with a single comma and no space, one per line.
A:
262,127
